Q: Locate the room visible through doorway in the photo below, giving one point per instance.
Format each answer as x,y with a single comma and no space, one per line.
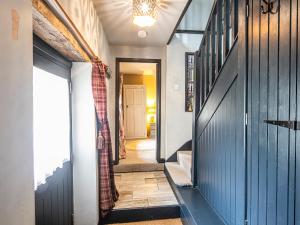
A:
137,113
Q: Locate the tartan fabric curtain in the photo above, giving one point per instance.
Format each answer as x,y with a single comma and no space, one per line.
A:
108,194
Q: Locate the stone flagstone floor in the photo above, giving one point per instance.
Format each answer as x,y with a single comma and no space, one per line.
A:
143,189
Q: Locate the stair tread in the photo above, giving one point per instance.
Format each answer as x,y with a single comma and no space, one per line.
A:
184,158
178,174
185,152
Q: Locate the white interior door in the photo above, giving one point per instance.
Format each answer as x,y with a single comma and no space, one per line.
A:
135,111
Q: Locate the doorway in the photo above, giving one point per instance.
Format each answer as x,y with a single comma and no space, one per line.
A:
52,131
138,88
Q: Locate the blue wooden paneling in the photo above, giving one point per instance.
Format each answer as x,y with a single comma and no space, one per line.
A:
297,184
220,88
271,196
272,150
54,199
218,159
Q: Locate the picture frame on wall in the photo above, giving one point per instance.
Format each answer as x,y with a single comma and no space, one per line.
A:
189,81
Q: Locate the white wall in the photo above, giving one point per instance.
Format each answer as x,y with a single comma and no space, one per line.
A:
178,122
136,52
84,147
16,110
83,14
86,210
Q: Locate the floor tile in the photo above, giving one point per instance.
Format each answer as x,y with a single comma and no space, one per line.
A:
134,203
143,189
155,222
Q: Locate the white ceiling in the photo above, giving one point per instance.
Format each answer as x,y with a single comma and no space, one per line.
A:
138,68
116,18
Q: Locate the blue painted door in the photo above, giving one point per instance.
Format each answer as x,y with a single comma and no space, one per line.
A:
273,94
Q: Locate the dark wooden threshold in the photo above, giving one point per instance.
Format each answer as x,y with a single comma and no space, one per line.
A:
142,214
194,210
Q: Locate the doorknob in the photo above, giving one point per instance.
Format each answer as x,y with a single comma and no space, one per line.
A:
294,125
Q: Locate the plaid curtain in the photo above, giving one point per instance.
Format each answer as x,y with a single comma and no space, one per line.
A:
108,194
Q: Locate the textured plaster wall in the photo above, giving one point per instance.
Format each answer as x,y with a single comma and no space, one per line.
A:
16,110
84,147
83,14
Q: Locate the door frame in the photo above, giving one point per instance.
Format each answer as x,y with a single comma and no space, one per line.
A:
48,59
132,86
158,104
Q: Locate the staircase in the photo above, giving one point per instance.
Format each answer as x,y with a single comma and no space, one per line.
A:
180,171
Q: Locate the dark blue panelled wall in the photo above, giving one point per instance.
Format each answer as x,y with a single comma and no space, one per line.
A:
220,145
220,111
217,161
248,170
273,168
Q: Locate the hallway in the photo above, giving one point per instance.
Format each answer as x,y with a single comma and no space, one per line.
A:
143,189
208,134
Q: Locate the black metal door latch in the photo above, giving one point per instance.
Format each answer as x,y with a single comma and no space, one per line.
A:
294,125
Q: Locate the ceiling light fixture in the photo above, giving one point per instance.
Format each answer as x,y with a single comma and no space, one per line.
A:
142,34
144,12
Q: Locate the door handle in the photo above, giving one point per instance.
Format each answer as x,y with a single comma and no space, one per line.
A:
294,125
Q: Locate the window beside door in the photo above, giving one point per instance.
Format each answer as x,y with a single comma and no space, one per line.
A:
51,128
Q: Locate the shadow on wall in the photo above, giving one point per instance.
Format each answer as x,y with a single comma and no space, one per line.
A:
187,146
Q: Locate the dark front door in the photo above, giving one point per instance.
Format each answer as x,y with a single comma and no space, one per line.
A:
273,149
52,136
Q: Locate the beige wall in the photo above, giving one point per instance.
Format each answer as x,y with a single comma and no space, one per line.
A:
16,110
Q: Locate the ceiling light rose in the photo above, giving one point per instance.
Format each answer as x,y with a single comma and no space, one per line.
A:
142,34
144,12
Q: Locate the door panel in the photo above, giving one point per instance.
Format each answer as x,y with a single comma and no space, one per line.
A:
52,136
297,82
129,96
272,96
135,111
139,121
129,123
139,97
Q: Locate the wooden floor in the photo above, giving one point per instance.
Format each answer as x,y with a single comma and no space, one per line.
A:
143,189
154,222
